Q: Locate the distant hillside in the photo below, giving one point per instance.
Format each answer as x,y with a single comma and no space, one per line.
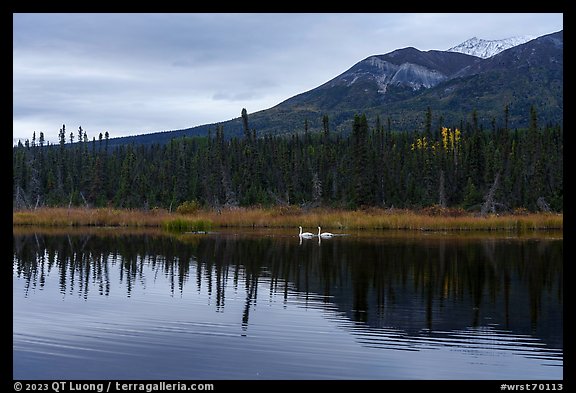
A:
399,86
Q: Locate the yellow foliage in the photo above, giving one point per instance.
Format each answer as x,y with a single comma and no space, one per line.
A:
445,138
450,141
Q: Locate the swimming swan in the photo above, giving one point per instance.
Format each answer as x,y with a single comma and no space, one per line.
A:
324,234
305,234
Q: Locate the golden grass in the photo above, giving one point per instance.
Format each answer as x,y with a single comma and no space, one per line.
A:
288,217
88,217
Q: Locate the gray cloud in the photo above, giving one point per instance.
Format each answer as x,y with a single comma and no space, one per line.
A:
240,96
137,73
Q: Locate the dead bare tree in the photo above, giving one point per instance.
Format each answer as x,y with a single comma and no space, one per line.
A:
543,205
21,200
84,199
489,204
316,188
231,200
34,185
442,192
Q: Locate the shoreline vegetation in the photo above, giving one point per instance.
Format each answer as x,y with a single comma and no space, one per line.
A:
430,219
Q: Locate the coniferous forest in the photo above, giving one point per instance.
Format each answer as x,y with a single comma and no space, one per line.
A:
467,166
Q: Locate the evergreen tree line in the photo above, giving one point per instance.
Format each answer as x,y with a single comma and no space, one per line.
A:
496,169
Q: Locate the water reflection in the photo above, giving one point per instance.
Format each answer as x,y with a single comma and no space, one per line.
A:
412,293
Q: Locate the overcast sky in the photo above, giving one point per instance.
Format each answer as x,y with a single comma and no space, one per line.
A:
139,73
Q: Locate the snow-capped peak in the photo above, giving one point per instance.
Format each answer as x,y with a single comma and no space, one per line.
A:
488,48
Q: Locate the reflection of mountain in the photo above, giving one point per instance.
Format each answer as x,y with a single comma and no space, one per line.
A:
420,288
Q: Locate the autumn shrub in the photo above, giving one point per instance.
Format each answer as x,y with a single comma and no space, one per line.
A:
286,210
188,207
520,211
439,211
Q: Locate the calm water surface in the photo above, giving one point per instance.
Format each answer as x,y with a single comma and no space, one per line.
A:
103,304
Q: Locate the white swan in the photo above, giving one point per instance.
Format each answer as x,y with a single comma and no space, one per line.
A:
305,234
324,234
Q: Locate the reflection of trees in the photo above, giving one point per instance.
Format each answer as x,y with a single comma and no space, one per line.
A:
374,282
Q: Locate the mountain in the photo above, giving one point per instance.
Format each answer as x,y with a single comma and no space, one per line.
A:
384,78
401,85
488,48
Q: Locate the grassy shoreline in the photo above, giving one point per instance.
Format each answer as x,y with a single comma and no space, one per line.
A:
286,217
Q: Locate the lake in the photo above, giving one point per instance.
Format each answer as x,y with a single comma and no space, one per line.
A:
261,304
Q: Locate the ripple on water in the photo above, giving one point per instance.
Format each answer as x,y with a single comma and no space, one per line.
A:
198,320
